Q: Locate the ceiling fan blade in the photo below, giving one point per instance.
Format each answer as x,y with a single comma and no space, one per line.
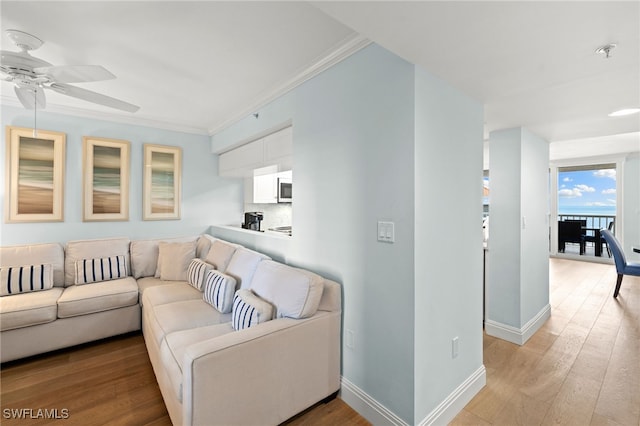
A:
94,97
30,97
75,73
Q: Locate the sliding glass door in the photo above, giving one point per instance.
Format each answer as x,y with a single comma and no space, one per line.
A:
586,203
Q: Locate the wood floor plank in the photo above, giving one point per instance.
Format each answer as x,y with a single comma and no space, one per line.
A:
522,410
575,402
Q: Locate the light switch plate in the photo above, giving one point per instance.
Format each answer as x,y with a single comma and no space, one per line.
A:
386,232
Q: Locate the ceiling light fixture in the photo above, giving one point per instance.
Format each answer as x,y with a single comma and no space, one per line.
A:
606,50
625,111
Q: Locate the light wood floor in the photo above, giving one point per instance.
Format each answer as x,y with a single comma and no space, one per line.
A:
581,368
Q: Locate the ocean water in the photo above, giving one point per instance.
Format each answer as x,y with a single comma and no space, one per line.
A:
587,210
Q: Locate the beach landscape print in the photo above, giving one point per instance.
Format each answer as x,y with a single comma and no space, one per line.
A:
35,181
35,176
106,179
162,173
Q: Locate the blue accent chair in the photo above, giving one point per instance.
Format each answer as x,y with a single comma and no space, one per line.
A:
622,266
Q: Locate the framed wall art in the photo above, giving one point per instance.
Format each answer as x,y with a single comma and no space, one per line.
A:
105,179
34,175
162,182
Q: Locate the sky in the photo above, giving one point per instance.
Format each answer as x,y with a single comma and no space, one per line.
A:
587,190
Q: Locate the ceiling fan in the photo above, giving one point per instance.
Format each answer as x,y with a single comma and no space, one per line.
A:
31,75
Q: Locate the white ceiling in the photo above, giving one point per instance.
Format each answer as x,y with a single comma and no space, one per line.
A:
200,66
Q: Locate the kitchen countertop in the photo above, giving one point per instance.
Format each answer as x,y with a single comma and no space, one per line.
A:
265,233
277,245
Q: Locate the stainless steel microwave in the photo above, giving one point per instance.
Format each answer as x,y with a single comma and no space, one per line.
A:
285,190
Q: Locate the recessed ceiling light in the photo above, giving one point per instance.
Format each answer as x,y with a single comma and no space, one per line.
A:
606,50
623,112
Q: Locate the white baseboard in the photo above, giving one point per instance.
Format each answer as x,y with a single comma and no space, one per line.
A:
368,407
455,402
378,414
518,335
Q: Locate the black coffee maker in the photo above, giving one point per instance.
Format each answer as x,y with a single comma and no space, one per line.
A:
252,220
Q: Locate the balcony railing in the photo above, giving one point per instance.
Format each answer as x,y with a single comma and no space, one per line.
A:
593,221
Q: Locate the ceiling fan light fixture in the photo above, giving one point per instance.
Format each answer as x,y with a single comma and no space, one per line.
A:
24,41
624,111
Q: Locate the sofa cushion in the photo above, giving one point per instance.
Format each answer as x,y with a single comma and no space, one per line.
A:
36,254
249,310
197,273
294,292
220,254
243,265
219,290
90,249
100,269
175,316
173,291
174,259
24,279
175,344
203,246
144,255
87,299
23,310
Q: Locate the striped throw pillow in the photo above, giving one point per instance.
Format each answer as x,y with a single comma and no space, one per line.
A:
24,279
100,269
218,291
249,310
197,272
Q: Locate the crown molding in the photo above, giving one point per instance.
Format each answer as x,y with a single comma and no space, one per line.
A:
343,50
133,120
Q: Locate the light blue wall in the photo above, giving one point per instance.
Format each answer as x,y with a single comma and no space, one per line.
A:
353,165
357,160
534,243
448,240
518,257
631,205
504,257
206,198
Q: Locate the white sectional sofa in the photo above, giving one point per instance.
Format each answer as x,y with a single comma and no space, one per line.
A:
233,337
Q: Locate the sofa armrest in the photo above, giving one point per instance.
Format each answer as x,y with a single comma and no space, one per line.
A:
264,374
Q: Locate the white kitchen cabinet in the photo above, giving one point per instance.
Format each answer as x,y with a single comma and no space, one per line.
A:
278,145
275,149
242,160
263,188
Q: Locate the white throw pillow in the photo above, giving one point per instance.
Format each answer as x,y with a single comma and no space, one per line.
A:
249,310
174,259
197,272
218,291
243,265
100,269
295,293
220,254
26,278
92,249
